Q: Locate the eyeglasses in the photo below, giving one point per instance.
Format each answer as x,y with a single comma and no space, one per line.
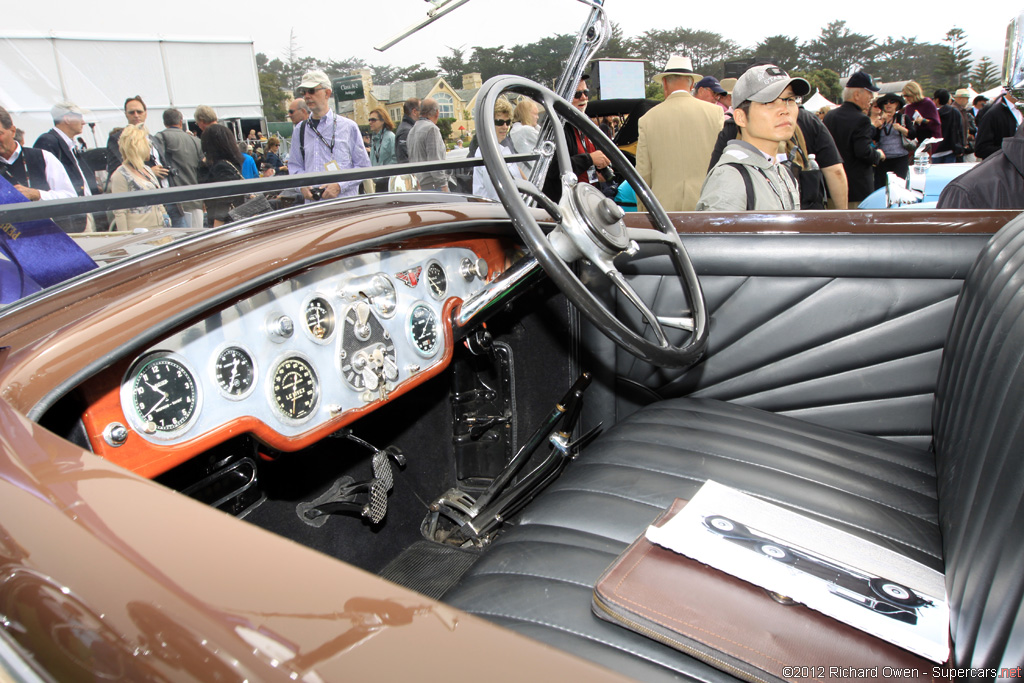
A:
302,92
502,122
373,119
292,111
581,94
784,103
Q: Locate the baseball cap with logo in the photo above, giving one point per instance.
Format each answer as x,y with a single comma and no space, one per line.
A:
765,83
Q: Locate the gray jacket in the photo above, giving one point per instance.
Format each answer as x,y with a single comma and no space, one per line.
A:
183,154
425,144
725,190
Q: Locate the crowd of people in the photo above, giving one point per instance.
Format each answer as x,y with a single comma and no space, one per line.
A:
732,145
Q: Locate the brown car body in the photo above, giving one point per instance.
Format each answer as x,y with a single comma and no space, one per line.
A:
105,574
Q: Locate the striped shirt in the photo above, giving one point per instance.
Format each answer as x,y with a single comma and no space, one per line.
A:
336,138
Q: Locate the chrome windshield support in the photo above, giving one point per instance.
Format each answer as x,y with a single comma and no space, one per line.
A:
498,293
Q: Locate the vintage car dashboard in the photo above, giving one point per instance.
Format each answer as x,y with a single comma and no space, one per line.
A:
289,363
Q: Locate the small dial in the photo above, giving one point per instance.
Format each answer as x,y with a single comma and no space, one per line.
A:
437,280
423,329
319,317
294,388
235,372
164,395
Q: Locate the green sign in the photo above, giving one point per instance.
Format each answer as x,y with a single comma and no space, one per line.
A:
348,88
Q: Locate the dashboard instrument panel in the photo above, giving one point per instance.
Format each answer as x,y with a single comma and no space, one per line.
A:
288,363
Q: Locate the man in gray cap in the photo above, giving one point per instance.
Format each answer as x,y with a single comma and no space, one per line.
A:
749,175
325,141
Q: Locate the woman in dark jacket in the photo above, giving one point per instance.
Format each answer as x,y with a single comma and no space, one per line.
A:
222,161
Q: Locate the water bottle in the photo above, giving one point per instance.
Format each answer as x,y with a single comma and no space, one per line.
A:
812,163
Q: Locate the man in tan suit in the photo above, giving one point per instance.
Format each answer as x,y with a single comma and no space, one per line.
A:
677,138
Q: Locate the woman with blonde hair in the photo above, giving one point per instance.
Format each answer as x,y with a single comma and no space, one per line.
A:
921,112
382,144
132,176
482,185
525,131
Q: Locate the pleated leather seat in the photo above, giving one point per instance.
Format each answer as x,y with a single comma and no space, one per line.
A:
957,507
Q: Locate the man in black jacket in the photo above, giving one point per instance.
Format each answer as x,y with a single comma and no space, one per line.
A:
68,122
996,183
999,121
951,148
853,133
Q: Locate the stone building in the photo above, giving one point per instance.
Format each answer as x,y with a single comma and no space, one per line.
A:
454,103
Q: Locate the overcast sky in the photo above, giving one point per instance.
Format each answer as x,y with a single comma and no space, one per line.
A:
337,30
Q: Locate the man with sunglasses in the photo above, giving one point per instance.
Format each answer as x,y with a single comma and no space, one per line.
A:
588,163
135,111
677,137
325,141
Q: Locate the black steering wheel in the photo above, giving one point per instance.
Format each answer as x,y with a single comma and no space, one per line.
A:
590,227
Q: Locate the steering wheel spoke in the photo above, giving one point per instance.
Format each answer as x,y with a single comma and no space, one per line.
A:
648,315
590,227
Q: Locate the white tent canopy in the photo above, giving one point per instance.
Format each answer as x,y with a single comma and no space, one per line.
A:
817,101
99,73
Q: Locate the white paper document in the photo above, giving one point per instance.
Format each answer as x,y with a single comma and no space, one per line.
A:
841,575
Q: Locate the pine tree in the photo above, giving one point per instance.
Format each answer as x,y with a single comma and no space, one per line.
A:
985,75
956,59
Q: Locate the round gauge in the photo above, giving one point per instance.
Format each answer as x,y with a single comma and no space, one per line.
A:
294,388
235,372
437,280
319,318
383,295
423,329
164,395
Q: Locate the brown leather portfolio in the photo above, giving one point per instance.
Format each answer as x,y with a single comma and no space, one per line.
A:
737,626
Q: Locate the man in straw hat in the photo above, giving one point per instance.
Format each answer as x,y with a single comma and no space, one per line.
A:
676,138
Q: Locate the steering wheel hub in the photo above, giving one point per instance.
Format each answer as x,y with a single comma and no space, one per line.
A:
601,216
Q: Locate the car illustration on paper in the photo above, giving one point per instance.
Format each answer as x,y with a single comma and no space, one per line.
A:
878,594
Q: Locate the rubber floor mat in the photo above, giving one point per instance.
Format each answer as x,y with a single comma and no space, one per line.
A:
429,568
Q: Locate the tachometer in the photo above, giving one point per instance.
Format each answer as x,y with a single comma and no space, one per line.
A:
235,372
164,395
423,329
295,388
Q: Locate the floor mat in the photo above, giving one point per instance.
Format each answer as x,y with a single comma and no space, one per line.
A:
429,568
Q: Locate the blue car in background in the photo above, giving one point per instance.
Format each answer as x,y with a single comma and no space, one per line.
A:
936,177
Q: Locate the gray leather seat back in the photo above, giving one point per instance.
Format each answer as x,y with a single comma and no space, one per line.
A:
979,439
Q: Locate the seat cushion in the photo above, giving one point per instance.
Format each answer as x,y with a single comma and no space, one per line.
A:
538,577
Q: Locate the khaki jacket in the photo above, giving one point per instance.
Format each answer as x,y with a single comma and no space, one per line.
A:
674,150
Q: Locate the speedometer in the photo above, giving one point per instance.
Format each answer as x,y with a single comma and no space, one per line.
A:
423,329
294,388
